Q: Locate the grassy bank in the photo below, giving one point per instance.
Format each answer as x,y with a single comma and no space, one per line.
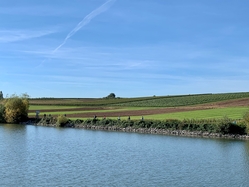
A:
221,126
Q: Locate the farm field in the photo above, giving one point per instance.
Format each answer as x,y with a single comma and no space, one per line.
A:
202,106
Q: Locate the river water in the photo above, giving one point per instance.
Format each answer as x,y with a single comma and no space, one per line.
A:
47,156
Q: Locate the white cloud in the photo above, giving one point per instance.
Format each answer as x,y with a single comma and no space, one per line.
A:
42,10
7,36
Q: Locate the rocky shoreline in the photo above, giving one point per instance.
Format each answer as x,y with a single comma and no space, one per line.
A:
153,131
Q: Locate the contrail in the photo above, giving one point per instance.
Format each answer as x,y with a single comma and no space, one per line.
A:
104,7
86,20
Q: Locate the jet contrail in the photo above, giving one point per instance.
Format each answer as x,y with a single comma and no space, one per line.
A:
84,22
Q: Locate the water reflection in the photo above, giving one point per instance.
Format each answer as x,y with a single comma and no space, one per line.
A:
246,151
13,127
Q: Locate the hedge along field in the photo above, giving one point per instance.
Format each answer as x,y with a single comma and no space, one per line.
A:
219,113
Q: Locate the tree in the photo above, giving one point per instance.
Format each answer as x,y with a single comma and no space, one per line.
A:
111,96
16,108
1,95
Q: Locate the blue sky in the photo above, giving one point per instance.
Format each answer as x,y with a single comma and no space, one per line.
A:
90,48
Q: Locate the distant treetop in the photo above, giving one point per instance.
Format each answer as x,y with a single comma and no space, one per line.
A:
111,96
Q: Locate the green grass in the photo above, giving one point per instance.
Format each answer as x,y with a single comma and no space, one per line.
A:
233,113
83,111
50,107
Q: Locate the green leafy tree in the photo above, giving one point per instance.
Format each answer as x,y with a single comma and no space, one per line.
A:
16,108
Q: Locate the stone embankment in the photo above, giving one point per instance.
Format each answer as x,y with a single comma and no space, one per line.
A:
152,131
165,132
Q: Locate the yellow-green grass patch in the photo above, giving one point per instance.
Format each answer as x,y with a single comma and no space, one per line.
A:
233,113
87,111
50,107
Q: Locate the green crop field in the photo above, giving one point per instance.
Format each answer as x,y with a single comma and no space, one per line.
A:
233,113
50,107
186,100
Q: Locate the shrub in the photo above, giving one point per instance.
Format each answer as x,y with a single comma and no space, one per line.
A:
62,120
246,118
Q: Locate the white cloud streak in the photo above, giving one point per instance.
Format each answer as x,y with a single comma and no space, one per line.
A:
7,36
86,20
104,7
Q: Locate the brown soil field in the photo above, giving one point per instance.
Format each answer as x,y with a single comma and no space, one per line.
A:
143,112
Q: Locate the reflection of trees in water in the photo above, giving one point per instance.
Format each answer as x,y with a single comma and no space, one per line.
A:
246,151
13,127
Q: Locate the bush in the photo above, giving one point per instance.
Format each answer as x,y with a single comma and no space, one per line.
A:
61,120
246,118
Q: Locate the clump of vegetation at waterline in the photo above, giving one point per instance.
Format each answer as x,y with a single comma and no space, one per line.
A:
222,126
246,119
14,109
60,121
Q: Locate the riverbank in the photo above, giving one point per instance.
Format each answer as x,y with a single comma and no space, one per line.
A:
144,130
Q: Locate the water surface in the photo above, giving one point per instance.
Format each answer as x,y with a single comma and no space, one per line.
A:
45,156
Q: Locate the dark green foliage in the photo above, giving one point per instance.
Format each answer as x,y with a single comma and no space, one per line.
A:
1,95
2,112
111,96
222,126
